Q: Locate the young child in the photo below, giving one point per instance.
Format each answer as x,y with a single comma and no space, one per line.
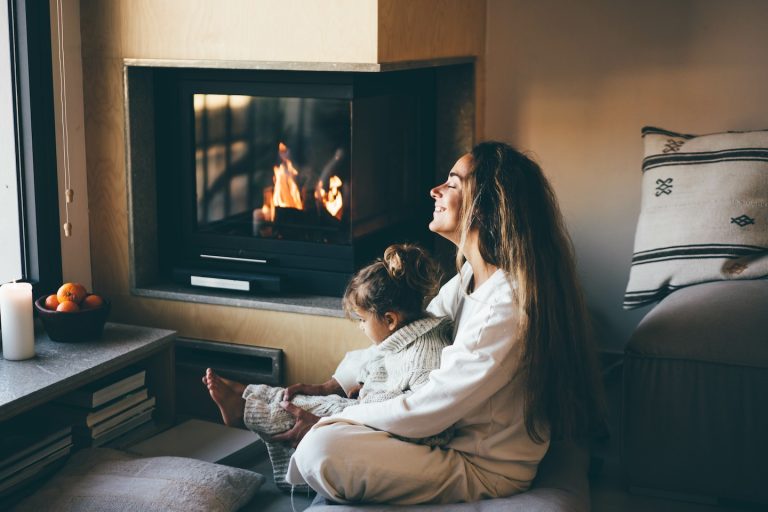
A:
389,297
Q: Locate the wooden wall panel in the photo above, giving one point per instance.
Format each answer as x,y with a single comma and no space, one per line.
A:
427,29
303,31
100,29
104,136
313,345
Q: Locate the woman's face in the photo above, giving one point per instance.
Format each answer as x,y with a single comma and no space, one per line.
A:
447,196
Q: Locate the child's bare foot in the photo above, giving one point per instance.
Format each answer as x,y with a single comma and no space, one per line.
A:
225,393
237,387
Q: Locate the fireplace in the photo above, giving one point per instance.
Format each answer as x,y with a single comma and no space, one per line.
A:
282,181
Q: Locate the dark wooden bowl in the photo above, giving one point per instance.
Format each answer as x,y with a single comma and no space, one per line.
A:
83,325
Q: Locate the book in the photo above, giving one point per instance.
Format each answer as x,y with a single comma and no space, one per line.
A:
136,434
32,471
115,420
25,435
19,463
86,417
104,390
122,428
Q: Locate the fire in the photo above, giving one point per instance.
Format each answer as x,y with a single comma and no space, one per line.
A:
332,199
286,193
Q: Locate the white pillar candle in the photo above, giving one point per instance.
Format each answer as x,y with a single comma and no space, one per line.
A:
16,318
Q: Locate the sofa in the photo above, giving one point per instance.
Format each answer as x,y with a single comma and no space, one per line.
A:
695,417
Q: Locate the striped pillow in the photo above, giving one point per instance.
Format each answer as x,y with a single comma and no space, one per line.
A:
704,212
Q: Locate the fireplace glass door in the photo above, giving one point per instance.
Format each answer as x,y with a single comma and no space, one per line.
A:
289,181
272,167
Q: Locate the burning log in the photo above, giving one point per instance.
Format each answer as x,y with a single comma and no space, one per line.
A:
285,193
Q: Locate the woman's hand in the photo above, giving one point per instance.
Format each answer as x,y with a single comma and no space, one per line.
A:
330,387
304,421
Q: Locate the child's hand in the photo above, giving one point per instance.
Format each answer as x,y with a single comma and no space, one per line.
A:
301,389
329,387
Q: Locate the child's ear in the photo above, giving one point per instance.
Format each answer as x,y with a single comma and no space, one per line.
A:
392,319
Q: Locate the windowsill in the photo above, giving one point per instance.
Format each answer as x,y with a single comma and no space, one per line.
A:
289,303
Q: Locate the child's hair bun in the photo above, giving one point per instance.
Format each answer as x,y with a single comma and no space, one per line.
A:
395,257
404,279
412,266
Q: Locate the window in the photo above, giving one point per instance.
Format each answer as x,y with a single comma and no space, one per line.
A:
10,230
30,247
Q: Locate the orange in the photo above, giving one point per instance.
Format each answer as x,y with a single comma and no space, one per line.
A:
51,302
71,292
92,301
68,307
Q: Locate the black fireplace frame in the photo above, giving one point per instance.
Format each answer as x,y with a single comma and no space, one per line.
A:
455,122
278,266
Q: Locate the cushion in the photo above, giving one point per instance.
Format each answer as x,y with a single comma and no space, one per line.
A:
110,480
722,323
704,212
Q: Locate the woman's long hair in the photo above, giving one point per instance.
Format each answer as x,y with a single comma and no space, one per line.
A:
510,203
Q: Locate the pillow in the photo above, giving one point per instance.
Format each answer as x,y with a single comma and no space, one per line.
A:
704,212
110,480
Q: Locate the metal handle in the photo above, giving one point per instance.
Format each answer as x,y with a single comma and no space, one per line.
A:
232,258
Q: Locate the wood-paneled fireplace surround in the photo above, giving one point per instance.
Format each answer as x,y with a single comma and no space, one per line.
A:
280,182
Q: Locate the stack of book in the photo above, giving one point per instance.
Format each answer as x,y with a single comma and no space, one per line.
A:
107,409
31,446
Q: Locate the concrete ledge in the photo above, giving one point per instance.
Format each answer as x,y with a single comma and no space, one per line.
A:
359,67
306,304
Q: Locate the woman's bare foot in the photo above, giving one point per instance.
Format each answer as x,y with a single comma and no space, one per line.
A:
227,397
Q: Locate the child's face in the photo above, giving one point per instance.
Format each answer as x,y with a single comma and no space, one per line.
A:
377,329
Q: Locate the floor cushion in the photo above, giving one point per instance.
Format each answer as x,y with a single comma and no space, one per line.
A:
110,480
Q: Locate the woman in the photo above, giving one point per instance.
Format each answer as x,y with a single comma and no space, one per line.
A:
520,372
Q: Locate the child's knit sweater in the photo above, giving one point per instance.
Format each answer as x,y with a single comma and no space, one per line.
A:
403,360
400,364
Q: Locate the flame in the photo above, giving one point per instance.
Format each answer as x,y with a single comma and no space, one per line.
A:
286,194
332,199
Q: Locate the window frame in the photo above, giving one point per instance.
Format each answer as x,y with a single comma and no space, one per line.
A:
32,76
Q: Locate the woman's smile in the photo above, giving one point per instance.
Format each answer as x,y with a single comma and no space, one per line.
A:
447,196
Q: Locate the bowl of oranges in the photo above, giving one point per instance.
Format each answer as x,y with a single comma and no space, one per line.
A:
72,314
